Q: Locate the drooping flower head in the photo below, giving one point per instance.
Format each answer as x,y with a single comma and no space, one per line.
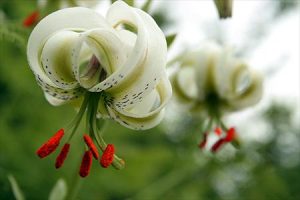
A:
95,63
212,82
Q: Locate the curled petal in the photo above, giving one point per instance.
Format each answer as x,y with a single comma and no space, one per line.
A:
145,65
108,49
139,118
76,19
251,95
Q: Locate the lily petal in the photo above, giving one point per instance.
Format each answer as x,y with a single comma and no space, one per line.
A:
75,19
252,94
136,118
145,65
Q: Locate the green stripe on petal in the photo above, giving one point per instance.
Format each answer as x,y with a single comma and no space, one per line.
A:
56,59
251,95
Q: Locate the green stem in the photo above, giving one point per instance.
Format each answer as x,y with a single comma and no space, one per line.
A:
167,182
118,163
75,123
210,123
224,8
72,3
75,185
223,126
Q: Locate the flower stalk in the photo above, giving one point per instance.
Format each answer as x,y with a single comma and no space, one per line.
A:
224,8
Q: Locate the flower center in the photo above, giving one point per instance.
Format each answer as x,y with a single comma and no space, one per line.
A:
92,72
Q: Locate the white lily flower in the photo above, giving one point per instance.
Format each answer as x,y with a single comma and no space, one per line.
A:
212,81
214,75
80,57
129,67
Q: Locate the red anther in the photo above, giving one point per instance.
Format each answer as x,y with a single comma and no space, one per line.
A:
203,142
217,145
31,19
86,164
62,156
50,146
107,156
89,142
218,131
230,135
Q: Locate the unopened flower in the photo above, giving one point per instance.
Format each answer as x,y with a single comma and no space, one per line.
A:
94,63
212,82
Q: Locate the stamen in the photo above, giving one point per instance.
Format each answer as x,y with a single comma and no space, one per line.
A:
31,19
51,145
86,164
62,156
218,145
89,142
107,156
218,131
203,142
230,135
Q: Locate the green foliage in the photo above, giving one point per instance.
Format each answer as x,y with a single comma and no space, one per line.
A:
15,188
59,191
129,2
170,39
224,7
147,5
10,35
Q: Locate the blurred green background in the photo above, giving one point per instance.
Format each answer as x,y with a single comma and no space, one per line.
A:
161,163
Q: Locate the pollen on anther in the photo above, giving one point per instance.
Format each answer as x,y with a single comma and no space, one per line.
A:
218,131
107,156
217,145
62,156
86,164
51,145
31,19
230,135
89,142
